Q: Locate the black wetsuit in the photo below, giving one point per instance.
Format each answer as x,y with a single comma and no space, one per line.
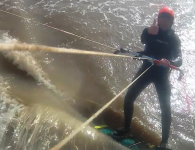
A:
163,45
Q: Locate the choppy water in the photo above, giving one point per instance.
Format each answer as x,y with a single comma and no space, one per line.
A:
44,96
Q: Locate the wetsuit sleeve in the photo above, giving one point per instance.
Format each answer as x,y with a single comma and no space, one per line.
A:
147,38
177,61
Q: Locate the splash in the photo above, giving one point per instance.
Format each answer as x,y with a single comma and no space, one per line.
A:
25,61
40,127
8,105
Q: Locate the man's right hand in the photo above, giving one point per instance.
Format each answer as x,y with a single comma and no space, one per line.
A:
153,29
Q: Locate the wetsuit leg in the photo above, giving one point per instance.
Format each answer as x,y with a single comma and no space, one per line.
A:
134,90
163,89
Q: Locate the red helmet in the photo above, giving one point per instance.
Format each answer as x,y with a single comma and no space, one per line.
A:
166,10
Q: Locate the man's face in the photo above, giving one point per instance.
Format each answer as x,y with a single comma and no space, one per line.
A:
165,21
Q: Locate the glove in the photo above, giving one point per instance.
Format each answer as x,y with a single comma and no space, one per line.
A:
120,51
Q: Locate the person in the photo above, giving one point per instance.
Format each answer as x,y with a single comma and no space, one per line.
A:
163,44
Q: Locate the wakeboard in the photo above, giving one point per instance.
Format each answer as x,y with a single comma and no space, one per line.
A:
131,143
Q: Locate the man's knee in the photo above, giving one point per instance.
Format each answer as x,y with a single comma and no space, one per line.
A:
131,95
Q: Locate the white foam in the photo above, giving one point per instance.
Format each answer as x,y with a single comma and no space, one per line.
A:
25,61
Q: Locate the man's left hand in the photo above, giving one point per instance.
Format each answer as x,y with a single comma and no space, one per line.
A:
164,62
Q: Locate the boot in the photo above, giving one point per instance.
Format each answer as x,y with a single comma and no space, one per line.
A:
163,146
121,134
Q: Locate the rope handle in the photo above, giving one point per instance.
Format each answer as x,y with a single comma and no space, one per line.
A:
157,62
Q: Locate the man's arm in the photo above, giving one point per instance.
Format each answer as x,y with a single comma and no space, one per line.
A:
177,61
147,38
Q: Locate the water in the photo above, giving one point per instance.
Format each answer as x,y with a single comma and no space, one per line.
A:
44,96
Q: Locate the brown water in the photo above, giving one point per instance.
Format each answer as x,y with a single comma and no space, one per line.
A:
44,96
